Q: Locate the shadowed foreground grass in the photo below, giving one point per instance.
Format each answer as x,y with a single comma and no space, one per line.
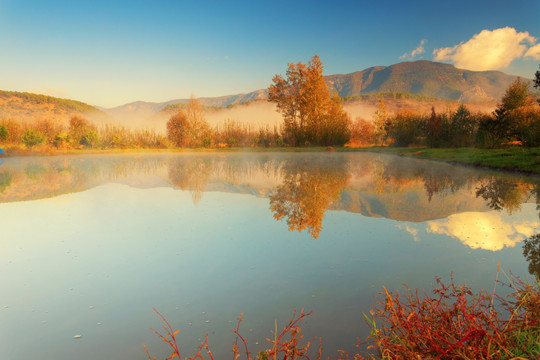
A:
451,323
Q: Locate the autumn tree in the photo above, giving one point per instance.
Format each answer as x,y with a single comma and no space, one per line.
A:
189,126
362,132
310,114
82,133
380,121
177,128
502,125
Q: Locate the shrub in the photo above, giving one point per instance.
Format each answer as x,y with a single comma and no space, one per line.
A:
4,133
32,137
406,127
90,139
62,140
455,323
285,345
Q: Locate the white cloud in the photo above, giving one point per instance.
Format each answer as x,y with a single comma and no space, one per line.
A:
490,50
51,91
488,231
534,52
419,50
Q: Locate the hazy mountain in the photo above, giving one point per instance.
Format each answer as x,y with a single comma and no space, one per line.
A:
142,108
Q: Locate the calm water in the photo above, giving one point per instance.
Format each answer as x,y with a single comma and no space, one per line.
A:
88,245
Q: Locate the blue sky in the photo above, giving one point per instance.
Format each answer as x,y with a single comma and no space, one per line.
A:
109,53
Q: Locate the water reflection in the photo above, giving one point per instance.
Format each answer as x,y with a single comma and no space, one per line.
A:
488,230
309,187
192,175
531,252
501,193
5,180
301,188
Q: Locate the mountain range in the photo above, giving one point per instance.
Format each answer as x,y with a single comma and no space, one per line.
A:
425,78
422,77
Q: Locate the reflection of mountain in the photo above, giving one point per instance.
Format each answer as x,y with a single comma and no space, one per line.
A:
370,184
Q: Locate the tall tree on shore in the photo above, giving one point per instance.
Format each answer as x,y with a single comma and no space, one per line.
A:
310,114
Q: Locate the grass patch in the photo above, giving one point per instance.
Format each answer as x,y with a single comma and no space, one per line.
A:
514,158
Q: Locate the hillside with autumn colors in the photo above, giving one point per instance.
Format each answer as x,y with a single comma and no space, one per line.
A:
26,106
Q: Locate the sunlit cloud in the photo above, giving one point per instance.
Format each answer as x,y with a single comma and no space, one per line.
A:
51,91
486,231
489,50
419,50
534,52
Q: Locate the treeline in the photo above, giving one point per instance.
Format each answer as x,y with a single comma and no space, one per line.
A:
515,121
372,98
78,134
187,128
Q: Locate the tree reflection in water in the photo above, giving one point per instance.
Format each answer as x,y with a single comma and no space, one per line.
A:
5,180
502,193
309,187
191,174
531,251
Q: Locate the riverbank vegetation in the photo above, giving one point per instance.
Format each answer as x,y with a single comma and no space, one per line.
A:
451,323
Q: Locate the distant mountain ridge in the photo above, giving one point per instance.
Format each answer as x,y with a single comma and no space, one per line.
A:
426,78
420,77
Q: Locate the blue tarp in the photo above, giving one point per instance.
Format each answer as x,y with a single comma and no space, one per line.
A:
2,151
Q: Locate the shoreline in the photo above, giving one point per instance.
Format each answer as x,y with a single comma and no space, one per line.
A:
514,159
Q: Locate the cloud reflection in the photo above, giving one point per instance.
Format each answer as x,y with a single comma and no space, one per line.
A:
488,231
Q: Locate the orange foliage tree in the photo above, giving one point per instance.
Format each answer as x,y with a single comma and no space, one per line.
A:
310,114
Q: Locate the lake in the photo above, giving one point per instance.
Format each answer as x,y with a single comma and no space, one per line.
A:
89,244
